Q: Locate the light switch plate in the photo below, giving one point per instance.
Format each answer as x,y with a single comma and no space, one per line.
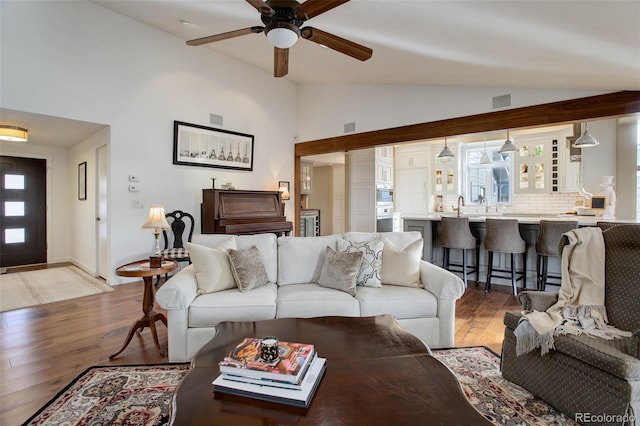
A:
133,188
133,178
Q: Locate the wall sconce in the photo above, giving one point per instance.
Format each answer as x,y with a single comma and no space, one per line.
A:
156,221
284,187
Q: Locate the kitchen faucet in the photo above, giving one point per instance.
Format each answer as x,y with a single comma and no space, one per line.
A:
486,204
460,201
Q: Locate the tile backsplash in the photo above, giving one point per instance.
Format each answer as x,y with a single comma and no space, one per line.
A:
523,203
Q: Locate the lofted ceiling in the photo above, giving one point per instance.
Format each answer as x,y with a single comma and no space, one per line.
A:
573,44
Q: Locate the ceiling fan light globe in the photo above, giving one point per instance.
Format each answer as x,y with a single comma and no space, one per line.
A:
282,38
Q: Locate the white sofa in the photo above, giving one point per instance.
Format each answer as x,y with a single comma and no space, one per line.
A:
293,266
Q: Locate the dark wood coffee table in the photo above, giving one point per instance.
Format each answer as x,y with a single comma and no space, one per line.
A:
377,374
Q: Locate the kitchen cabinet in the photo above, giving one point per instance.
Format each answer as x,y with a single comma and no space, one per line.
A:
384,166
362,190
445,173
411,192
413,157
306,177
532,164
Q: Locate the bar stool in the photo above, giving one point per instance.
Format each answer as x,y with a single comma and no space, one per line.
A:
456,234
547,245
503,236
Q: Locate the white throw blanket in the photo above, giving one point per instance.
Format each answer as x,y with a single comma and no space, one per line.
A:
580,307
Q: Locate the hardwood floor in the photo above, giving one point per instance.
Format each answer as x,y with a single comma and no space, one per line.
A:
44,348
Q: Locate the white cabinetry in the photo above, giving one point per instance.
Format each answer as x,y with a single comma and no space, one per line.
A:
445,173
532,163
306,177
362,191
384,166
411,180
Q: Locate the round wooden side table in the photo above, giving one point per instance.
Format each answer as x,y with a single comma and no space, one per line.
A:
141,269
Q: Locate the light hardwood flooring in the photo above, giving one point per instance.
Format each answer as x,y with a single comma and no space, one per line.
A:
44,348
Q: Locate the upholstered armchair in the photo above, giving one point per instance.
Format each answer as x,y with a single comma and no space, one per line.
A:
586,376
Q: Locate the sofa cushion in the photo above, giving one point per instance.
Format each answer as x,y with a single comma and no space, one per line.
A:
401,302
340,270
247,268
300,259
207,310
212,240
369,274
213,272
401,266
399,239
311,300
268,246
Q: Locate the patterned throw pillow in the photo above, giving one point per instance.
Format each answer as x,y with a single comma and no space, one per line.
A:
247,268
340,270
370,274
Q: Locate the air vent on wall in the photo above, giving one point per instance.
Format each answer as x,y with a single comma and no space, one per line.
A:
502,101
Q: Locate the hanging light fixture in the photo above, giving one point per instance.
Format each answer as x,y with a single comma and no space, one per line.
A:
586,140
446,154
13,133
508,145
485,159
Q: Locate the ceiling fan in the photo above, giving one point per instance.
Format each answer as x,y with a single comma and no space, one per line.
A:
282,20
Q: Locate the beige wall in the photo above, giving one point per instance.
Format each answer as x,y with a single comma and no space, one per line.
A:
321,198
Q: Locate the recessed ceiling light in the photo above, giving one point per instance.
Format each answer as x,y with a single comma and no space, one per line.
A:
184,22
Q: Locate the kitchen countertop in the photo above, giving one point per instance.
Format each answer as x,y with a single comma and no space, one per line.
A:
524,218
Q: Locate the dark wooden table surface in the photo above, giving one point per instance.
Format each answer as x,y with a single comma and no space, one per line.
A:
377,374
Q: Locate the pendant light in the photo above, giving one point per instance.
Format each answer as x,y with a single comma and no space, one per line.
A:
586,140
485,157
507,146
446,154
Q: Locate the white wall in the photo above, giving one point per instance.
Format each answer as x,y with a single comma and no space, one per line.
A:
77,60
324,109
84,213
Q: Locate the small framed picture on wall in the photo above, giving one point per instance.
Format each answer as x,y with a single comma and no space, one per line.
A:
82,181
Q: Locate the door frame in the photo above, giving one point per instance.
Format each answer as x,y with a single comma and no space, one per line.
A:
106,274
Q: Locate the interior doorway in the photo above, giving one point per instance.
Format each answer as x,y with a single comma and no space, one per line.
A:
23,221
102,219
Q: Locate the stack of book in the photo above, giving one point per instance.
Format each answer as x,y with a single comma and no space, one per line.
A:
292,379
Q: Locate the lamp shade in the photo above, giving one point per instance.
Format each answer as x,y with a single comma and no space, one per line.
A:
284,191
13,134
156,219
485,158
507,146
282,35
446,154
585,140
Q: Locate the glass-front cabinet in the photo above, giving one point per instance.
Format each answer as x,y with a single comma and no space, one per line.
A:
306,177
532,165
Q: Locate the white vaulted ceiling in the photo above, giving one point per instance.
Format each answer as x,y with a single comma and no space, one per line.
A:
509,43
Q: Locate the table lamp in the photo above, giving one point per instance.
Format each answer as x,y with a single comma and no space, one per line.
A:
156,221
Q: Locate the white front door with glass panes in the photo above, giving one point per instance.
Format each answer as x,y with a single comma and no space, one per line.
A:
532,165
486,183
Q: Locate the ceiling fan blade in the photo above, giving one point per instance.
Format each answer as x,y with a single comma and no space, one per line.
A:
334,42
262,7
311,8
280,62
224,36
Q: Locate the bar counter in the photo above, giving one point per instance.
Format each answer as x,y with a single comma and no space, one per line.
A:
529,223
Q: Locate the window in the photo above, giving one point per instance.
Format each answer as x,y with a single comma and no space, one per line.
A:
487,181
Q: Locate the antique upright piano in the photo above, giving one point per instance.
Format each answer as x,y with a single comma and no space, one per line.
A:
243,212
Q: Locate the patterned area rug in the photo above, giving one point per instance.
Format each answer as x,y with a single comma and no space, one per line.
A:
141,395
500,401
31,288
119,395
